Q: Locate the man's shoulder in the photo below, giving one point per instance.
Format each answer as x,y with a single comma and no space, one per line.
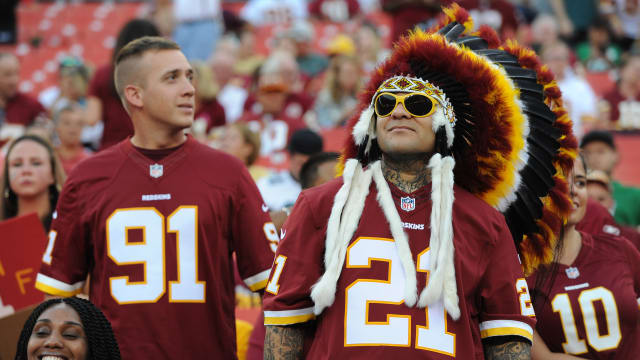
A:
100,165
323,192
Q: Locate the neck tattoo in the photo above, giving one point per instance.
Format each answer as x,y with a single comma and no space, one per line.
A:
407,175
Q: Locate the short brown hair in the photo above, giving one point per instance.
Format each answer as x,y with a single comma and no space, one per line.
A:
135,49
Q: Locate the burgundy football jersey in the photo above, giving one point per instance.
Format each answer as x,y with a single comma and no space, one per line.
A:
157,240
598,221
592,307
368,318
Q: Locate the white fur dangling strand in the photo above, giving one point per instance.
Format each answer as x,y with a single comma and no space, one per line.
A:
400,237
442,280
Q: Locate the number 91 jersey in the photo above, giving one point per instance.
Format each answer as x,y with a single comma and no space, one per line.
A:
592,309
368,318
157,241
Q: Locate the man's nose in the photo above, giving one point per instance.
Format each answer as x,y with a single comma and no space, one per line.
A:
400,112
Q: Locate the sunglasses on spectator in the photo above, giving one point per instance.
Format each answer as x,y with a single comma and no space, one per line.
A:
417,104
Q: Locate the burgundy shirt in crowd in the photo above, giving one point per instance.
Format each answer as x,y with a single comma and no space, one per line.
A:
368,319
156,236
614,98
598,221
334,10
212,113
592,306
117,123
22,109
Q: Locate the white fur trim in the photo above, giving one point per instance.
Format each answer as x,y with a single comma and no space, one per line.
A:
363,126
343,221
442,280
400,237
439,119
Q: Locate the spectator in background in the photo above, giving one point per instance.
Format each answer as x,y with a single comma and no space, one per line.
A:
544,32
243,143
369,46
624,16
579,98
103,103
624,100
407,14
198,26
8,22
599,53
337,11
310,63
231,95
574,16
339,97
281,189
209,114
600,153
72,326
68,128
73,80
499,14
31,180
318,169
273,12
567,321
277,111
247,59
16,108
599,189
72,89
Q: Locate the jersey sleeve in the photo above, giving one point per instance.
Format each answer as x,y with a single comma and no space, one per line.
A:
506,304
254,235
65,263
297,266
634,263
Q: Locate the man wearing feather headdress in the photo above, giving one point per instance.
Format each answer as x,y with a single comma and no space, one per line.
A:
382,260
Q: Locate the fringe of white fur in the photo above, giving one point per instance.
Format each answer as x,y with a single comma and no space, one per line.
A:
442,279
345,214
400,237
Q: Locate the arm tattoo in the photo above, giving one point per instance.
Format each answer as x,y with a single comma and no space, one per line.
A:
512,350
284,342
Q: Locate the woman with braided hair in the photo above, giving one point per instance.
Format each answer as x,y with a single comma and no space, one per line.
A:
71,328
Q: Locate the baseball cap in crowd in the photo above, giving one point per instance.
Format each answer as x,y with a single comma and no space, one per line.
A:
599,177
305,141
598,135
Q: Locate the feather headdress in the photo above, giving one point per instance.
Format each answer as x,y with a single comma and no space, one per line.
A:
509,143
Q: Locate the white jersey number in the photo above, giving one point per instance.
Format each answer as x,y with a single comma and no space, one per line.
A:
586,299
151,254
397,329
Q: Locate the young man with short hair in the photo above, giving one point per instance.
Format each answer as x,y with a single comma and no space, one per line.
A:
155,220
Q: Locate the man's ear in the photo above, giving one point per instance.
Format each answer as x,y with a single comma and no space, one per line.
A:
133,95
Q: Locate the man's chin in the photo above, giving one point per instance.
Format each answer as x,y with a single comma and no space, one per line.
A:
400,155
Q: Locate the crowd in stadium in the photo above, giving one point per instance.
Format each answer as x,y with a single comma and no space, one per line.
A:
213,127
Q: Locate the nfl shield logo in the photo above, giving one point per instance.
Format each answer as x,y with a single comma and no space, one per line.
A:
572,272
407,203
155,170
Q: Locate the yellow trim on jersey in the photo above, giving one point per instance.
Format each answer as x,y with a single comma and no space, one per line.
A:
505,328
55,287
288,320
258,281
259,285
287,317
505,332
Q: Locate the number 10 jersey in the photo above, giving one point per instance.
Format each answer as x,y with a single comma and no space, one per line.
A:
157,241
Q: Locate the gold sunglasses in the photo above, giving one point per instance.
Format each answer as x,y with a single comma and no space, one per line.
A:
417,104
